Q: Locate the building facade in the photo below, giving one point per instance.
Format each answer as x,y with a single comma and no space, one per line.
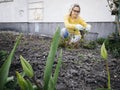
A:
43,16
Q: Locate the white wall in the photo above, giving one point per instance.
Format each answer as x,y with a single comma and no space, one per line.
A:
15,11
35,10
91,10
54,10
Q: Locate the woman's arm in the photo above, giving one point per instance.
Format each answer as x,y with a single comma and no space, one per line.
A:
68,25
82,22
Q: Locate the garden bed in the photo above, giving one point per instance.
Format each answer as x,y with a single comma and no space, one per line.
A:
82,69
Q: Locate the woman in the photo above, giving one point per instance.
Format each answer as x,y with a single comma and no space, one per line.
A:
73,24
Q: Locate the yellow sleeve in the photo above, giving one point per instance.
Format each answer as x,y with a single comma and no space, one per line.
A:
68,25
82,22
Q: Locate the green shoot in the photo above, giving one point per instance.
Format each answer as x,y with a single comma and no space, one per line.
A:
105,56
4,70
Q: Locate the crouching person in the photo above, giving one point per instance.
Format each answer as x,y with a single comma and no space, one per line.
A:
74,24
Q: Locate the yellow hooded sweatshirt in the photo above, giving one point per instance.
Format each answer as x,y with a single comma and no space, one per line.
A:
70,24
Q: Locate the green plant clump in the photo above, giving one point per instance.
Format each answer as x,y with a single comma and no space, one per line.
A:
90,45
4,70
100,40
26,79
3,55
113,46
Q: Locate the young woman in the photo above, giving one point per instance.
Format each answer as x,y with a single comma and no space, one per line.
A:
73,24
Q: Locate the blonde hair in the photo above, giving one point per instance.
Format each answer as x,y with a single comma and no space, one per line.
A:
72,7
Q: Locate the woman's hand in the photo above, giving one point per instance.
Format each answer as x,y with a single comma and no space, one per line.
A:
79,27
88,27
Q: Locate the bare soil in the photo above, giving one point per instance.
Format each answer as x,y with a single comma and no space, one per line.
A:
82,69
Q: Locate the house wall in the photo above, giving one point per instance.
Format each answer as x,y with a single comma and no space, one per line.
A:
55,10
15,16
15,11
48,28
91,11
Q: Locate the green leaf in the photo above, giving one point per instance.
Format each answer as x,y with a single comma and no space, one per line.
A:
29,85
4,70
10,79
22,82
35,87
104,52
51,84
108,75
57,70
53,80
26,67
3,55
50,58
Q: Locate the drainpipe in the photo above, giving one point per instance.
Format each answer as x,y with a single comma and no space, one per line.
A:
117,17
117,26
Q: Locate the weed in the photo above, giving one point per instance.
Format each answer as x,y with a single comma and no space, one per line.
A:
3,55
81,56
90,45
100,40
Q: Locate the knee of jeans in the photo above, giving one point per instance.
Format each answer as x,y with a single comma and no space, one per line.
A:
64,33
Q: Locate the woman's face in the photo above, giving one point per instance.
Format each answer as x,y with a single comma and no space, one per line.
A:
75,12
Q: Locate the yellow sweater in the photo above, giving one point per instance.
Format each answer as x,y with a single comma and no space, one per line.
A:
70,24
